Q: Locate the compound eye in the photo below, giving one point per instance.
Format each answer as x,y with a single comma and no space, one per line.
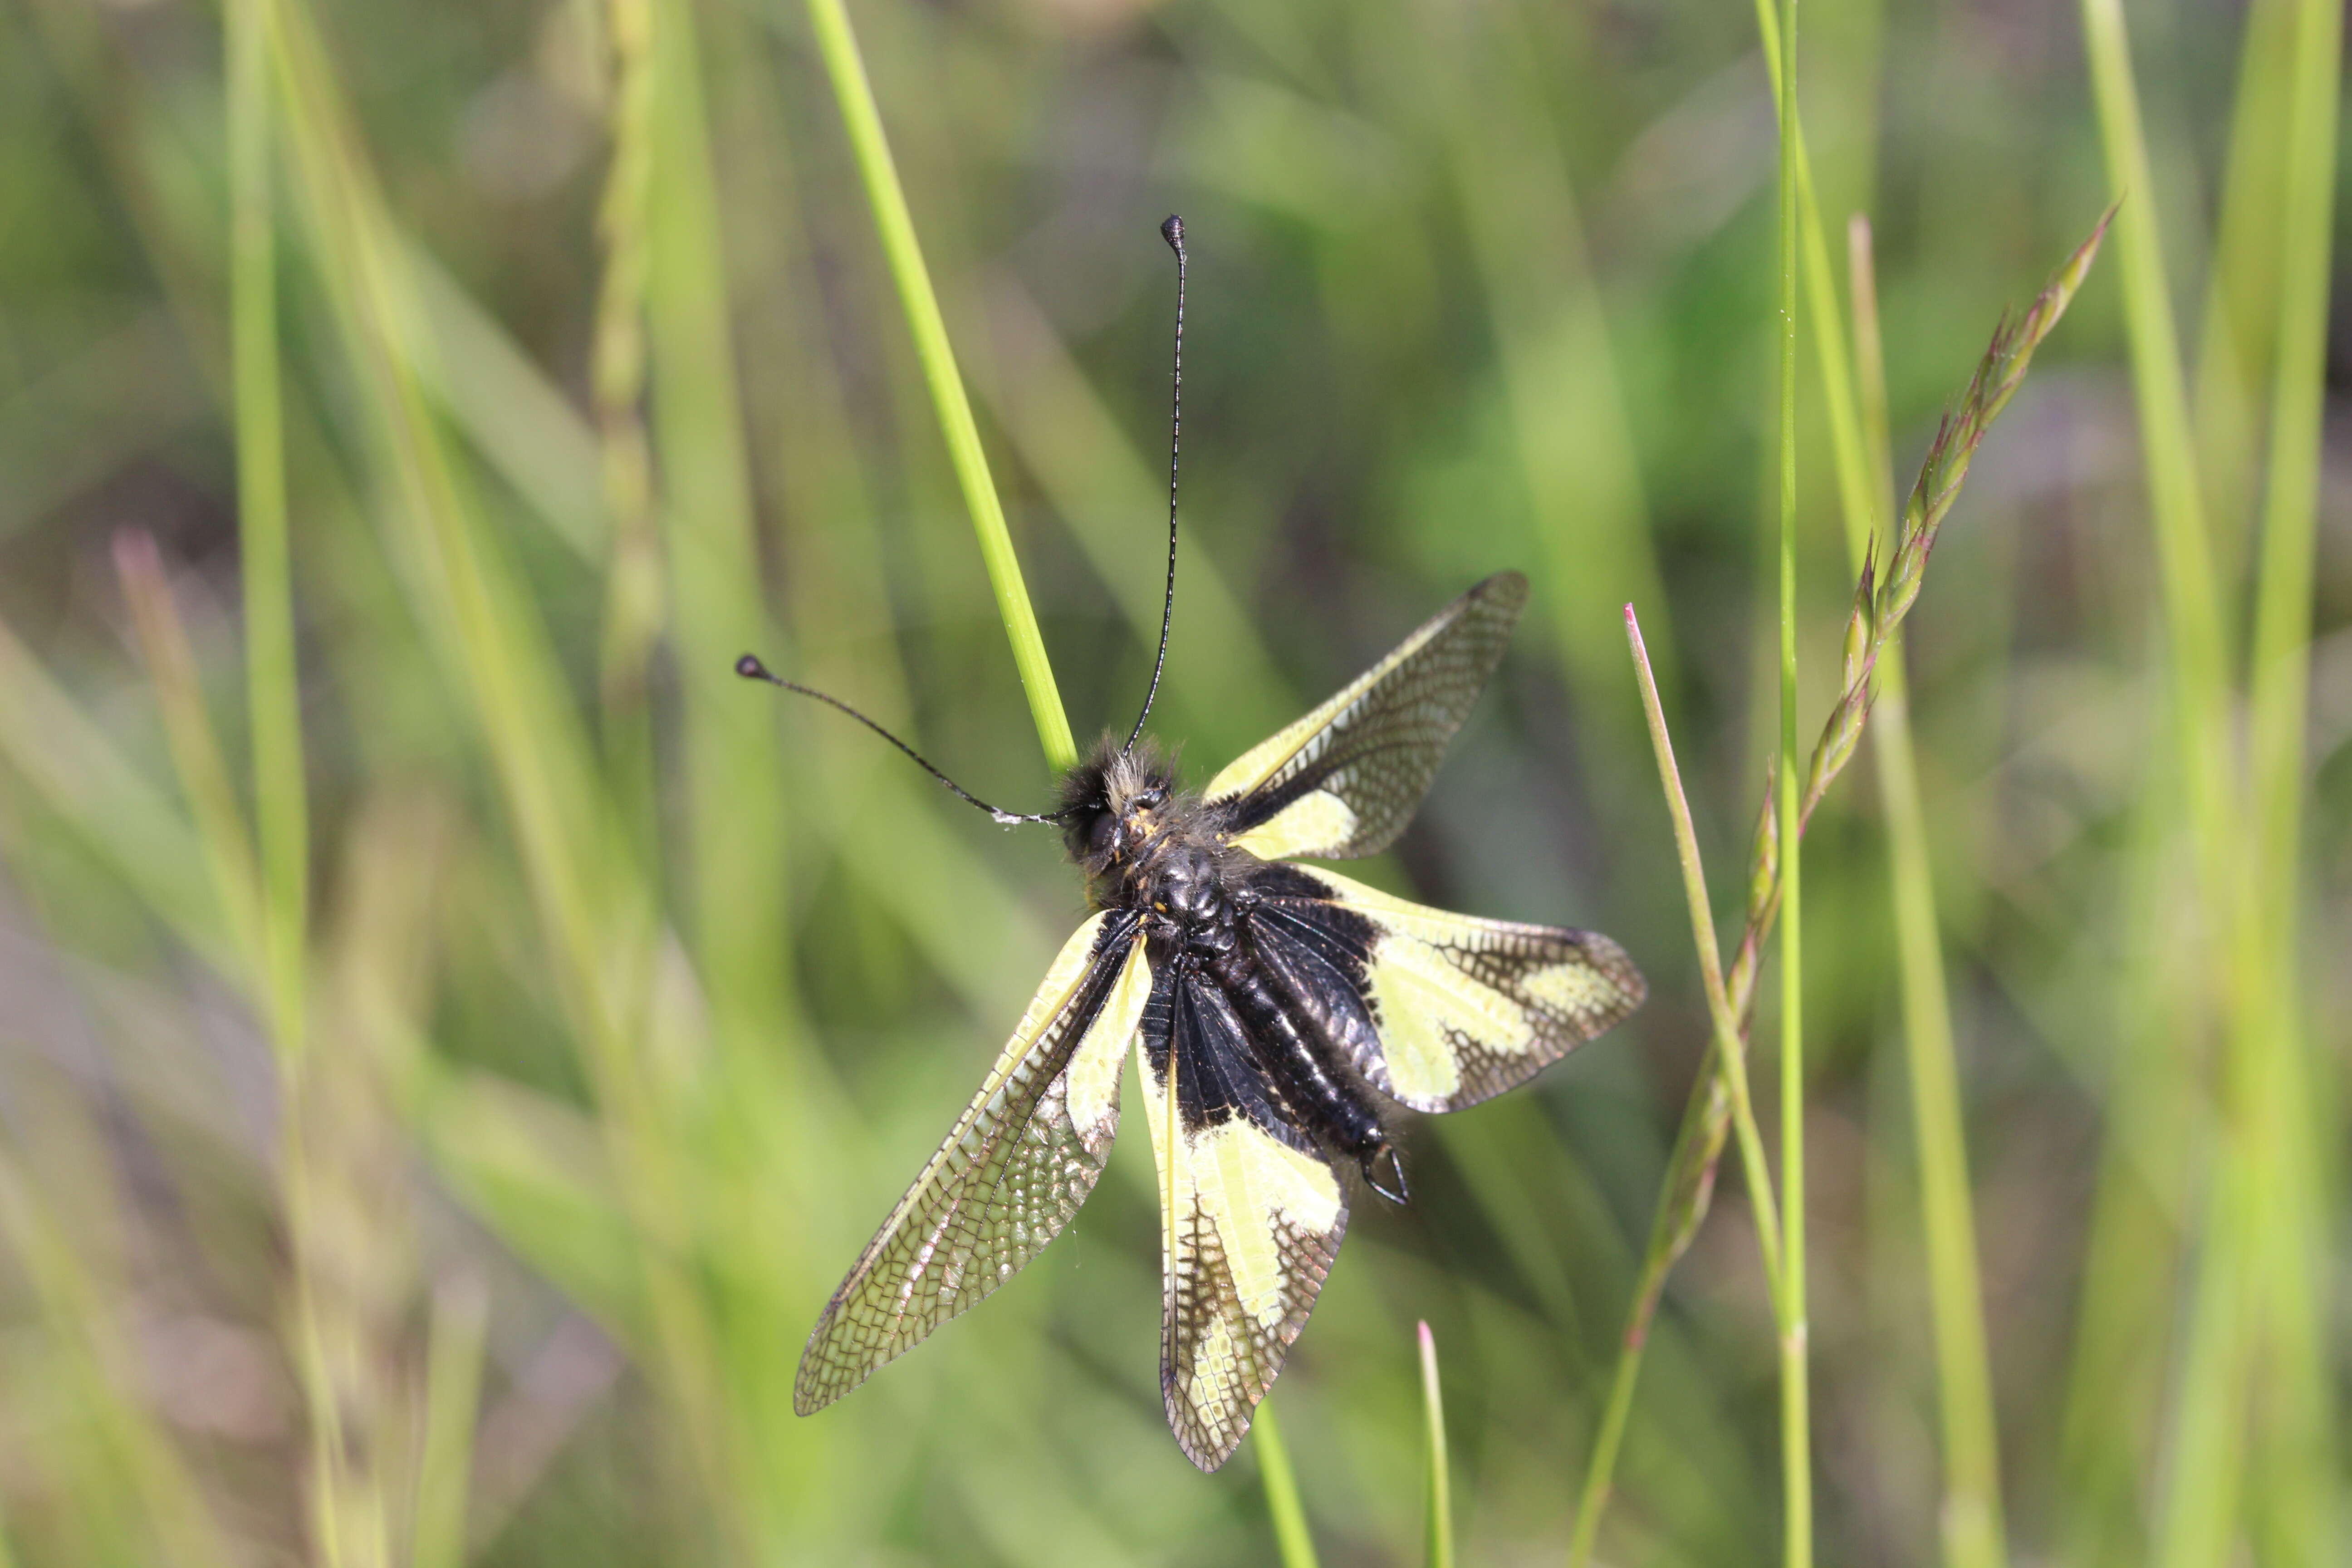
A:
1102,835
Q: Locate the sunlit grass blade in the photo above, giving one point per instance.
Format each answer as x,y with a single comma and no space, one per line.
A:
737,848
1852,462
838,45
327,1332
2290,1211
1437,1486
2248,1324
1971,1515
281,807
1796,1362
1727,1043
453,1380
1290,1536
134,830
634,590
2236,357
2184,557
196,754
2120,1365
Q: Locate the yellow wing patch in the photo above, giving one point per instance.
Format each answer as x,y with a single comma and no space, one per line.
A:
1249,1227
1308,826
1469,1008
1092,1088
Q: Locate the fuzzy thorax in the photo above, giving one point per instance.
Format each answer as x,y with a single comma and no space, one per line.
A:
1115,804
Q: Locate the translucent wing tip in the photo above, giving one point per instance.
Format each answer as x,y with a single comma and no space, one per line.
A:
1613,962
1509,589
823,1376
1207,1445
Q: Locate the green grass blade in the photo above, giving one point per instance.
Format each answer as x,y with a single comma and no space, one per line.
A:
1972,1530
1849,452
1724,1082
838,45
633,589
2296,1436
1437,1487
2121,1361
2176,508
1290,1536
128,822
2236,358
1728,1042
737,843
2206,1460
1796,1426
1600,1467
281,808
197,755
453,1382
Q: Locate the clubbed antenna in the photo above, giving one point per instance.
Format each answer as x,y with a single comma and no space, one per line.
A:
1172,231
749,668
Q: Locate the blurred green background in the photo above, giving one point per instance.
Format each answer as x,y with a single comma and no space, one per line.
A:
485,1221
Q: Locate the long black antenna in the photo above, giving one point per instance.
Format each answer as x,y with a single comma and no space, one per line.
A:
749,668
1172,231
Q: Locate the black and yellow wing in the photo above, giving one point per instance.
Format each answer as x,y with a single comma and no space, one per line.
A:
1346,779
1251,1215
1434,1010
1020,1160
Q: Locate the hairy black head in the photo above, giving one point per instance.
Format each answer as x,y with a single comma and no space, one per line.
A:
1110,801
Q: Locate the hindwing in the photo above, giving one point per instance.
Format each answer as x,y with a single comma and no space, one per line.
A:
1345,779
1251,1218
1020,1160
1435,1010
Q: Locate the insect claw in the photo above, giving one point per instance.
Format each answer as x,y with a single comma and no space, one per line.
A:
1395,1171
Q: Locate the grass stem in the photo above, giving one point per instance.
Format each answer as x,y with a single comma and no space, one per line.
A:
1290,1536
1724,1074
2251,1363
847,69
281,804
1600,1467
1437,1493
1973,1533
453,1381
1729,1045
1796,1437
345,1497
2296,1434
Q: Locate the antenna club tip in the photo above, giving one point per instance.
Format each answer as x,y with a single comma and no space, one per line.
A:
749,668
1172,231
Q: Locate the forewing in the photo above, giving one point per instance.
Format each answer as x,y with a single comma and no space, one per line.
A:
1437,1010
1346,779
1020,1160
1250,1219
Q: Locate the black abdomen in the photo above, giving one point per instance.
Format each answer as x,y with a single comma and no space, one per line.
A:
1294,1060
